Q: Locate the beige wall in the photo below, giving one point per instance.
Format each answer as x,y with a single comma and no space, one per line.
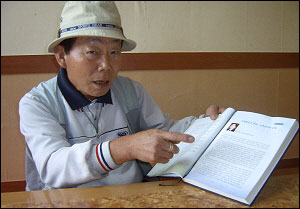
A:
180,93
268,26
28,27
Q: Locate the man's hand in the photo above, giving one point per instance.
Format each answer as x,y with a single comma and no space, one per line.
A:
213,110
153,146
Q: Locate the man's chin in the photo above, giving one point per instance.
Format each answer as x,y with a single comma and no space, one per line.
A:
99,94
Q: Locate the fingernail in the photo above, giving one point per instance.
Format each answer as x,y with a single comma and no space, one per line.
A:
191,138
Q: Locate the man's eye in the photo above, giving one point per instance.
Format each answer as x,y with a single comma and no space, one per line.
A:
91,52
115,52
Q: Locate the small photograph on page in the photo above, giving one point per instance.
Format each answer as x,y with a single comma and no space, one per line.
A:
233,127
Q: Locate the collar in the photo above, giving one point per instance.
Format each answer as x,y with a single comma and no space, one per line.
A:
75,98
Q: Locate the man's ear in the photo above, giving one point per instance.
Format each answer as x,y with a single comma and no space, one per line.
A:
60,56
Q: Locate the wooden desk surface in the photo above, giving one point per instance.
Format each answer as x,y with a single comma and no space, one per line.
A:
279,191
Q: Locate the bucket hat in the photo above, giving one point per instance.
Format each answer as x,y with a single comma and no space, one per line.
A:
91,18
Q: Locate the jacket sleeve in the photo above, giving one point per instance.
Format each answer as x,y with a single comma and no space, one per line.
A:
58,163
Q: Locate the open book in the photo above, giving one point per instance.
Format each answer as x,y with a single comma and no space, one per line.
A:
232,156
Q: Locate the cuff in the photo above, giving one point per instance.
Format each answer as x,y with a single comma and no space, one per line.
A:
104,157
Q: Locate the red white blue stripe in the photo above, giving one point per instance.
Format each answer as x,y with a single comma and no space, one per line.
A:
101,159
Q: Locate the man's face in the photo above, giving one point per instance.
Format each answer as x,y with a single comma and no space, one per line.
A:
93,64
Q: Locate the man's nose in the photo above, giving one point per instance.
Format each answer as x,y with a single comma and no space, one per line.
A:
104,63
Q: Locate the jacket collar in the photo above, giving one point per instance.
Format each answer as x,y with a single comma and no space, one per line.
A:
75,98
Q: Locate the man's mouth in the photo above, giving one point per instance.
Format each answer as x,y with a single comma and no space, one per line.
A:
101,82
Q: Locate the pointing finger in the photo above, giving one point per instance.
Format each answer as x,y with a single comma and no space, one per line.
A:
176,137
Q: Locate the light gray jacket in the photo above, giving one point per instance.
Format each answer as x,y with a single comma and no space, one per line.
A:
52,161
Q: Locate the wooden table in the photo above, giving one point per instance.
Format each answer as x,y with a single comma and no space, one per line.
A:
280,191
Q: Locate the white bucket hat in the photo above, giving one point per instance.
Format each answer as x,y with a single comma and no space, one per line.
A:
91,18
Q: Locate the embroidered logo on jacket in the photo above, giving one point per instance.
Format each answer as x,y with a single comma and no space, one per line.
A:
122,133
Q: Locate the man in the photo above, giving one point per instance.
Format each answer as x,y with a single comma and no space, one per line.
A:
87,126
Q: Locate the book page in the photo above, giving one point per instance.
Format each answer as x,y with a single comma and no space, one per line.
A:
204,130
238,157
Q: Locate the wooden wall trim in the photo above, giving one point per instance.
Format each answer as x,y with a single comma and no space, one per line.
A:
16,186
162,61
13,186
